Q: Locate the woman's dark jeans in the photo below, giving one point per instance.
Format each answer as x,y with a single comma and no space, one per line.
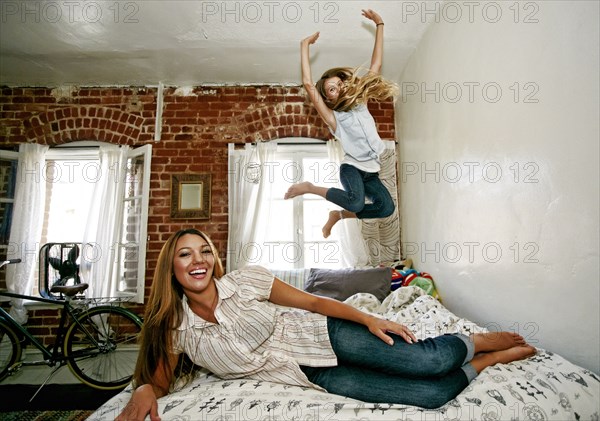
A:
358,186
427,373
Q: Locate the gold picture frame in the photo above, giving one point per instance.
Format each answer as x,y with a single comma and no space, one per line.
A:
190,196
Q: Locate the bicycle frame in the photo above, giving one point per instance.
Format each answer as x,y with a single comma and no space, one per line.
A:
55,355
87,337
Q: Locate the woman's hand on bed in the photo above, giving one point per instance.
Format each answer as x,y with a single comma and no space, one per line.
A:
143,402
380,327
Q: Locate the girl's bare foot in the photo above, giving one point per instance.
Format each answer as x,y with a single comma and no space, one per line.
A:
298,189
505,356
334,217
496,341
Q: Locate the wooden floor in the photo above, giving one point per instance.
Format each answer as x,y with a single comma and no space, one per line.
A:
38,374
62,391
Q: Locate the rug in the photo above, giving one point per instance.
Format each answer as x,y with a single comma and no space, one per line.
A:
76,415
60,398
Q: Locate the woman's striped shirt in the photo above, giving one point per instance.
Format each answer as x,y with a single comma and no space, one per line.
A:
254,337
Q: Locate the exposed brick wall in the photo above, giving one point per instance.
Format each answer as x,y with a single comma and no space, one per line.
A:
197,125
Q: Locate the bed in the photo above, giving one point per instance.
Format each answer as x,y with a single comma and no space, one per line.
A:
543,387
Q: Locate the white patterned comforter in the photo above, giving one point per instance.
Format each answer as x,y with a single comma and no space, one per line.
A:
543,387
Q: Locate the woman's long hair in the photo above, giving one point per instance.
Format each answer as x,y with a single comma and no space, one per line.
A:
164,313
357,89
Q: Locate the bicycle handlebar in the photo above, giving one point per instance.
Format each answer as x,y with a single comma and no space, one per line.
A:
10,261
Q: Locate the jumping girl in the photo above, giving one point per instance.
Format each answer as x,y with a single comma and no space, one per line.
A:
341,97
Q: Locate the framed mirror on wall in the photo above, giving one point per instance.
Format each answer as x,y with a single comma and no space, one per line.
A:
190,196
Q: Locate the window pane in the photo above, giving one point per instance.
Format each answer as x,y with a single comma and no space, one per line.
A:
69,190
281,175
134,176
8,171
5,221
320,171
280,223
284,254
316,213
132,213
128,268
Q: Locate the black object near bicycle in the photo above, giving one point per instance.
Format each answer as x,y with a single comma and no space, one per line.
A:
96,338
59,265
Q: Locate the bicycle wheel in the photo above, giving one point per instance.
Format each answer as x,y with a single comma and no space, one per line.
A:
10,349
101,347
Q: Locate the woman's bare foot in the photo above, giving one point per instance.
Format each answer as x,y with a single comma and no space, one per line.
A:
496,341
505,356
334,217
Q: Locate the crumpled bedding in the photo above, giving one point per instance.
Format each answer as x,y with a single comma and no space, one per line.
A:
420,312
543,387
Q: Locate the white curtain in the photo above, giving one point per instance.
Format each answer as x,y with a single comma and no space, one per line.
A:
102,229
247,198
382,235
354,251
26,228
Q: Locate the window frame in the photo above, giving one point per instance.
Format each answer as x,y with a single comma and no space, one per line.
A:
297,151
88,150
8,156
145,152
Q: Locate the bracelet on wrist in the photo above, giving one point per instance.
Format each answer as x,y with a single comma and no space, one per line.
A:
380,23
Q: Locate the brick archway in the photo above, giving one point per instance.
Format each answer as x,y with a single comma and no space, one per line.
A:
278,121
83,123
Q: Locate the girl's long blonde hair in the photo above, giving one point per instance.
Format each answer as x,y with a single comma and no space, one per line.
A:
357,89
164,313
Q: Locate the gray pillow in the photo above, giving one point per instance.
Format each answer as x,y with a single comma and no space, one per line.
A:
343,283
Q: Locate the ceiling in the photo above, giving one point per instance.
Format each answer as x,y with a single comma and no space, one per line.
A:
187,43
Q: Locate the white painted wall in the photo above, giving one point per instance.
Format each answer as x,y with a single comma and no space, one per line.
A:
485,173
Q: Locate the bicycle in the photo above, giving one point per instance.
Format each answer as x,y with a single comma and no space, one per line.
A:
99,344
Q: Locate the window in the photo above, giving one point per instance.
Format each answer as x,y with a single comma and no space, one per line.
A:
69,176
72,176
8,175
294,227
288,233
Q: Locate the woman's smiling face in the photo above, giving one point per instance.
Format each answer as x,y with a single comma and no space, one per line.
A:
193,263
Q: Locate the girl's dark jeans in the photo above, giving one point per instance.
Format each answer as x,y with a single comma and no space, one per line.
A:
358,186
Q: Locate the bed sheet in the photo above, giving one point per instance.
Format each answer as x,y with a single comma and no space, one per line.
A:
543,387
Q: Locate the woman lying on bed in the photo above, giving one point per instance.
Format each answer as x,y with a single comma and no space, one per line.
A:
232,325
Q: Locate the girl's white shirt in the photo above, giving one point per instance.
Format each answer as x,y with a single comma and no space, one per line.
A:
357,132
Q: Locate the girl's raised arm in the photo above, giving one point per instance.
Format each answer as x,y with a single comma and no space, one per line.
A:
377,57
315,97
